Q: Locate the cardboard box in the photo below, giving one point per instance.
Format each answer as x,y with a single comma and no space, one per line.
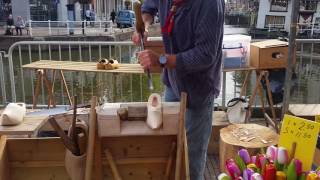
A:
270,54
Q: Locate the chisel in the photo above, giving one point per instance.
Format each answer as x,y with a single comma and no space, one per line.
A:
140,29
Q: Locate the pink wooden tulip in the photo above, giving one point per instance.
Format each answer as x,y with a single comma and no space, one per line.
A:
298,165
253,159
272,153
232,168
282,155
244,154
261,161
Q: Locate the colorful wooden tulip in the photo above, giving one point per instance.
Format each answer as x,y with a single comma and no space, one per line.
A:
253,167
280,175
253,159
272,153
244,154
313,176
298,165
224,176
282,155
232,168
269,172
261,161
291,171
247,173
241,164
256,176
302,176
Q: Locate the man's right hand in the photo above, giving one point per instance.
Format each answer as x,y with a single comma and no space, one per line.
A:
136,37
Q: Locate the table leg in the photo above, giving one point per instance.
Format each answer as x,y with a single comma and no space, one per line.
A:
245,83
260,91
252,99
51,100
66,87
37,90
273,112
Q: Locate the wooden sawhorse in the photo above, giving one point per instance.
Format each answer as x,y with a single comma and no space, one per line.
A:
261,75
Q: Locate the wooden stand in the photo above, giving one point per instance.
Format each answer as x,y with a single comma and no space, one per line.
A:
261,75
230,144
42,76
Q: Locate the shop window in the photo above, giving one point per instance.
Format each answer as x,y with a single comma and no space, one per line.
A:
275,21
308,5
279,5
43,10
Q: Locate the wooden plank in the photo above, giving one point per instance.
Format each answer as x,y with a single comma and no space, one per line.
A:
82,67
4,165
35,149
139,146
29,126
44,173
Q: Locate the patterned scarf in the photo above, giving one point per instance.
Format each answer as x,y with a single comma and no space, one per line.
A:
168,26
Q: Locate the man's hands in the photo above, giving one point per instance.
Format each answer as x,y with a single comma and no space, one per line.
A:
148,58
136,37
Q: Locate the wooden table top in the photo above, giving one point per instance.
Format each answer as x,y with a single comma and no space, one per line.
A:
304,109
82,67
92,67
232,135
29,126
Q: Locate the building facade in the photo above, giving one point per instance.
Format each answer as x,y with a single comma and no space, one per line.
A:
277,13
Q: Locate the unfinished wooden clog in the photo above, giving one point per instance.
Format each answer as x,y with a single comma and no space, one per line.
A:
154,118
13,114
112,64
101,64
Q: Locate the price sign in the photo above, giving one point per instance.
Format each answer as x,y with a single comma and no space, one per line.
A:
317,119
304,133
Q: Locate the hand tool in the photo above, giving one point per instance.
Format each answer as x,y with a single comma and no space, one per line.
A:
141,29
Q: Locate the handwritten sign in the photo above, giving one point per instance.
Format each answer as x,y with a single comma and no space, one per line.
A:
317,119
304,133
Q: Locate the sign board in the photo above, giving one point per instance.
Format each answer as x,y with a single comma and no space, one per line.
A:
304,133
317,118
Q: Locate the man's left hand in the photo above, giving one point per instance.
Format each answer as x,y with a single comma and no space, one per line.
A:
148,58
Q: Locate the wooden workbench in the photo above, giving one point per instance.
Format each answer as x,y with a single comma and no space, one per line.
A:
44,66
29,126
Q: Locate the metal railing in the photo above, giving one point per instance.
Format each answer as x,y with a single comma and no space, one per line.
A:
21,82
309,28
17,84
48,28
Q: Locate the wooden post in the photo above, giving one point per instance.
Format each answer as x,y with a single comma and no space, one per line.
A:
37,90
170,160
112,165
180,137
91,141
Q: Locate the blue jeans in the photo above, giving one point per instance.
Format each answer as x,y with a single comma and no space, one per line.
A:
198,128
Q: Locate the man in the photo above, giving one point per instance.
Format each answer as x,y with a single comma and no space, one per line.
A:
113,16
88,16
10,25
192,32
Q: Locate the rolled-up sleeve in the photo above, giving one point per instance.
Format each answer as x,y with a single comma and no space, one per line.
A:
150,7
208,34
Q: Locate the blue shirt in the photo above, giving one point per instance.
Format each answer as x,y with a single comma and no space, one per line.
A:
197,42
